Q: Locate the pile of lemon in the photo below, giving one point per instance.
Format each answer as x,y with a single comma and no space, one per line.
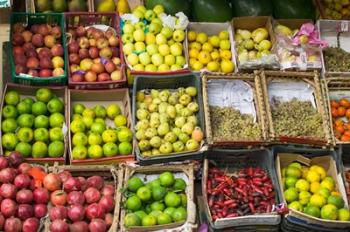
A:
310,190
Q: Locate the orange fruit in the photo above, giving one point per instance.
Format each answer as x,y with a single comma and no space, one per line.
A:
340,129
338,122
334,104
341,111
347,113
345,138
334,112
347,133
344,102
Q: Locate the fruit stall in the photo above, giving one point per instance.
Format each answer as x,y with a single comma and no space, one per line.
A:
175,115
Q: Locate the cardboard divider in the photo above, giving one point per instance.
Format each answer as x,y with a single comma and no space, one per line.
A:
187,171
91,98
29,91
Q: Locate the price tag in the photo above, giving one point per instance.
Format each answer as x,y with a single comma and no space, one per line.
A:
5,3
303,61
344,26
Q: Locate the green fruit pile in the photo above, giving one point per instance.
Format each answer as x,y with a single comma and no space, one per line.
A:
93,138
310,190
158,202
33,127
167,122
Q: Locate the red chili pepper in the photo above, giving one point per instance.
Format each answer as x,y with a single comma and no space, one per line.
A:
211,201
250,171
231,215
232,206
228,202
252,209
224,211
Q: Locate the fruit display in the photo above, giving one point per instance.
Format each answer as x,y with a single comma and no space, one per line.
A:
335,9
340,111
94,55
161,201
60,6
37,50
152,44
80,203
166,121
23,199
311,190
347,182
228,124
336,60
248,191
211,53
32,126
296,118
99,131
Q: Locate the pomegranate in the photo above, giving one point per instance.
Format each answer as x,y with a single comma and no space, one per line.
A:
97,225
58,197
95,181
30,225
108,190
8,191
59,226
41,196
25,211
92,195
107,203
52,182
64,175
3,162
22,181
24,196
75,197
58,212
94,211
83,183
15,159
71,184
7,175
40,210
8,208
76,213
24,168
80,226
13,225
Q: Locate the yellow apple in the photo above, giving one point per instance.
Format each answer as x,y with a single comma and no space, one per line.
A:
132,59
192,35
128,48
169,59
213,66
140,47
202,38
163,68
225,44
160,39
197,65
193,53
176,49
151,68
139,35
157,59
150,38
204,57
139,67
195,45
227,66
164,49
207,47
223,35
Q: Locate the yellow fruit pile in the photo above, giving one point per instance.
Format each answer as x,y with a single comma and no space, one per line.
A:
212,53
310,190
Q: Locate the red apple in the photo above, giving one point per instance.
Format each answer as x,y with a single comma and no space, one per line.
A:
90,76
74,58
21,60
45,63
27,36
73,47
18,50
76,77
92,42
31,53
102,43
58,72
33,72
93,52
84,53
21,69
103,77
113,41
44,29
56,32
83,42
27,46
44,52
34,28
17,39
97,68
45,73
110,67
32,63
81,31
38,40
57,50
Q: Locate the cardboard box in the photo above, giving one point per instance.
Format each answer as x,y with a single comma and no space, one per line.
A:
213,29
91,98
329,164
149,173
29,91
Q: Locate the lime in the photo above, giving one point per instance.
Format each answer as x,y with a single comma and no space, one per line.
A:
41,134
158,193
44,95
56,120
155,213
149,220
133,203
328,183
336,200
12,97
9,111
79,152
343,215
295,164
179,184
9,141
25,134
148,209
293,171
24,148
131,219
329,212
113,110
41,121
296,206
98,127
172,199
39,108
157,206
9,125
317,200
141,214
312,211
39,150
179,214
166,179
89,113
183,199
169,210
94,139
77,126
79,138
324,192
125,148
312,176
134,183
290,181
302,185
155,182
78,108
24,108
25,120
95,152
144,193
304,197
120,120
56,134
56,149
163,219
291,195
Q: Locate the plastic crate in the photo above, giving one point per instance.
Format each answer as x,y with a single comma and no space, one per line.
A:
75,19
233,160
28,19
169,82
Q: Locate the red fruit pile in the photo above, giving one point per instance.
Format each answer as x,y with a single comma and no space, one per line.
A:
94,55
79,204
37,50
249,191
22,200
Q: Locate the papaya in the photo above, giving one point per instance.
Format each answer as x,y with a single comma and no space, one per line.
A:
294,9
251,8
171,6
211,10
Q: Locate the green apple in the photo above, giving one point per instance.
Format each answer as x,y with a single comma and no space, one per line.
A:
44,95
95,152
9,141
100,111
28,100
139,47
152,49
24,108
25,120
164,49
160,39
98,127
128,48
10,111
56,134
169,59
157,59
150,38
56,120
154,27
79,139
171,42
88,121
109,136
9,125
180,60
128,28
214,40
139,67
56,149
41,134
39,149
225,44
124,135
12,98
94,138
55,105
77,125
78,108
151,68
158,9
166,148
113,110
110,149
41,121
89,113
132,59
39,108
175,67
149,15
24,148
139,35
179,35
163,68
79,152
125,148
176,49
140,26
25,134
167,32
120,120
127,38
145,58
